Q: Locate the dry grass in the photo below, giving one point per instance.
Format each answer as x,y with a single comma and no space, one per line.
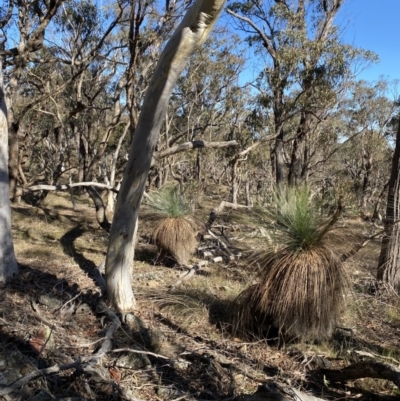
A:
176,238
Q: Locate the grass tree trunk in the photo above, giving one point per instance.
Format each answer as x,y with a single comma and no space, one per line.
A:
389,259
191,33
8,263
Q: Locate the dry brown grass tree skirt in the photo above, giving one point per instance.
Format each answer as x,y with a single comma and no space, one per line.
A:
176,237
300,294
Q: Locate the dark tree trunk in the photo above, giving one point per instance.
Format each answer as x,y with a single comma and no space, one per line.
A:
376,214
297,168
389,259
13,158
198,165
279,160
366,179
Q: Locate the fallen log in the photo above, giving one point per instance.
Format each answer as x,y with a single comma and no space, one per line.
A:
272,391
359,370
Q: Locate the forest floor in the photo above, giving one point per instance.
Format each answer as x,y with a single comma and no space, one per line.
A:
180,346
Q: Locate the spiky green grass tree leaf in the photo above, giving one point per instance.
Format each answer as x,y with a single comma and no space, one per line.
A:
169,203
302,285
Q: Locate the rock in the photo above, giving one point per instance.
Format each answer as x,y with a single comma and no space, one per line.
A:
14,365
180,364
42,340
154,340
132,322
42,395
149,338
83,309
50,301
9,376
131,360
168,393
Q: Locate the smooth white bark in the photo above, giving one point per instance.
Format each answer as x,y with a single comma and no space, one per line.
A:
8,263
191,33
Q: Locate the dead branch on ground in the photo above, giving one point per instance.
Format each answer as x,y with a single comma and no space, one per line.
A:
359,370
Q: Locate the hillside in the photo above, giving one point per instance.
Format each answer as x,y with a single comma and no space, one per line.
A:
179,346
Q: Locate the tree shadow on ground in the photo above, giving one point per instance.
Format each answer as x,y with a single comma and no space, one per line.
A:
31,301
68,244
47,215
145,252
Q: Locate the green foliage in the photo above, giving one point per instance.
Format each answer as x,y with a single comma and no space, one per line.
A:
169,203
298,221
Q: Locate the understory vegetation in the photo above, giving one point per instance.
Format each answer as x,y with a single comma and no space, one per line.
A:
183,331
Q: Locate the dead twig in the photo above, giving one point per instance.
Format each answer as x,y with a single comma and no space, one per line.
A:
41,372
72,299
36,312
221,243
136,351
189,274
107,344
86,344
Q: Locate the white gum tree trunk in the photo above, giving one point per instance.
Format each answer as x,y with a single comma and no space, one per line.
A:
8,263
189,36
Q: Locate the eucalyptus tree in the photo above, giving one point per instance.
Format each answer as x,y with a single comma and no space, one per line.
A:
190,34
8,263
202,108
76,84
149,25
365,152
31,20
67,72
306,69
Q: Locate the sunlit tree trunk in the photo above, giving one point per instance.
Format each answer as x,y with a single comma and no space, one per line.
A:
8,264
389,259
191,33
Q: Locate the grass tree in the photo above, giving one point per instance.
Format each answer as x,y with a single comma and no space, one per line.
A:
301,288
175,234
8,263
190,34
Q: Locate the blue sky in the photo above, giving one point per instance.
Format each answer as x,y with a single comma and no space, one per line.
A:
368,24
374,25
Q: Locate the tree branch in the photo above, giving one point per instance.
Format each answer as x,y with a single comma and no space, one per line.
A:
373,369
193,145
63,187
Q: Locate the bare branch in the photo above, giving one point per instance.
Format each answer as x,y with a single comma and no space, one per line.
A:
263,36
193,145
63,187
